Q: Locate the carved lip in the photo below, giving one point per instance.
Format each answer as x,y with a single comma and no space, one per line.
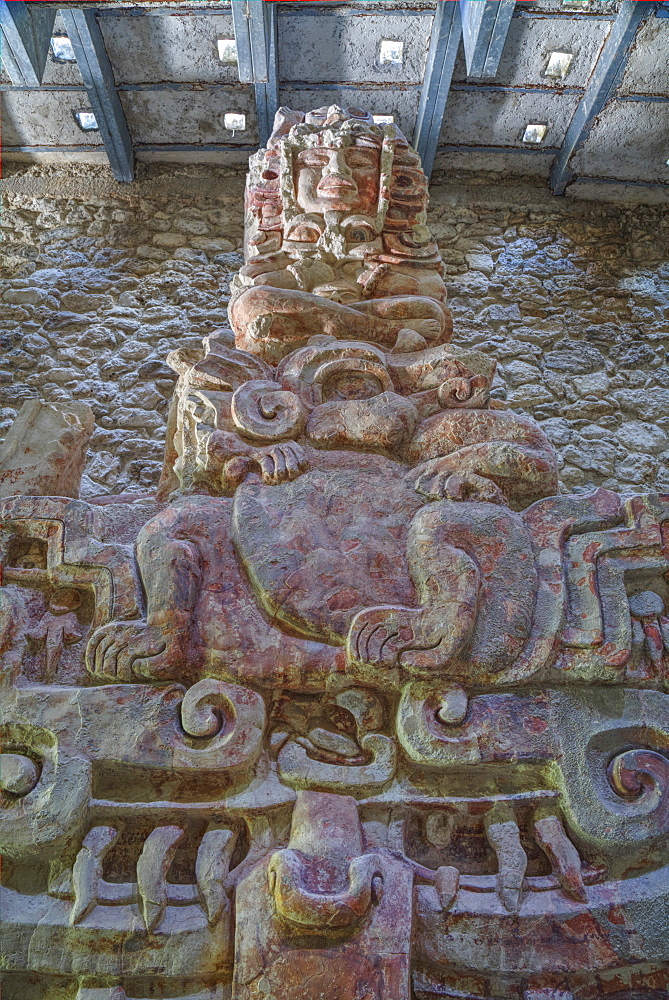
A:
331,186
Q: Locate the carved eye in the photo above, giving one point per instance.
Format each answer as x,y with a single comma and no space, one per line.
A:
352,385
304,234
361,158
312,158
359,234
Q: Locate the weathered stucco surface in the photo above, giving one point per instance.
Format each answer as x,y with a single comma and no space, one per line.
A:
99,281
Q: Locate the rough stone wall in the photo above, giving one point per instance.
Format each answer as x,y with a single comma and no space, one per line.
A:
99,281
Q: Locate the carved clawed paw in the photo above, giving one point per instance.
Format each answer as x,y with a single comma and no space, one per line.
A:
414,638
277,463
446,485
378,635
127,651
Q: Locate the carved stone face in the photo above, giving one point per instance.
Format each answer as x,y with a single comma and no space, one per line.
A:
338,180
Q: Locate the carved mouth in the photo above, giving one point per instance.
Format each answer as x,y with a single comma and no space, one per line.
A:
336,186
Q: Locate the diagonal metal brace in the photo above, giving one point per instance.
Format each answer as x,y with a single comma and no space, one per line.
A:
444,44
26,33
485,25
97,74
603,83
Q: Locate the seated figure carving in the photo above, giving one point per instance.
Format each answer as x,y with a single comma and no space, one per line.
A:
336,240
344,492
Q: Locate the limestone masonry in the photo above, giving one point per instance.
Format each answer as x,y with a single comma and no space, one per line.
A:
99,282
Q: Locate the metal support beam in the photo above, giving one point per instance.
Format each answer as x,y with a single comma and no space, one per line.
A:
605,78
444,44
26,32
485,25
98,77
256,37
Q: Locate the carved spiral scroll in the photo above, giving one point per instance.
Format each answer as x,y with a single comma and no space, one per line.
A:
45,795
641,777
204,709
263,411
227,720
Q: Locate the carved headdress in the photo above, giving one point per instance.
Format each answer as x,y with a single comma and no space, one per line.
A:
395,233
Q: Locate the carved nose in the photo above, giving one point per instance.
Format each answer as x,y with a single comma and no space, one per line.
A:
337,167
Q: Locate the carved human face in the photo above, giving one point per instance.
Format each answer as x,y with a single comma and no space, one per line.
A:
338,180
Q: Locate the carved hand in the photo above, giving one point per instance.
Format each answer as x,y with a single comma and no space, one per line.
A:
281,463
264,270
276,463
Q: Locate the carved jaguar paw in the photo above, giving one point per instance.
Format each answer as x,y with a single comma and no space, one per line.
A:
379,635
444,484
127,651
420,640
429,329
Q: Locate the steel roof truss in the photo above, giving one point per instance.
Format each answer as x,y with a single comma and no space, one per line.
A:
444,44
26,33
485,25
256,37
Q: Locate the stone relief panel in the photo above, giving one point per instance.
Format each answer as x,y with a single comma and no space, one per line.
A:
356,706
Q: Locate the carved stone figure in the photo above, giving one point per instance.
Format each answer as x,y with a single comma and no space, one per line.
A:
357,707
336,239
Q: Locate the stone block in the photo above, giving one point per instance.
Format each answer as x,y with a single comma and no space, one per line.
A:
44,452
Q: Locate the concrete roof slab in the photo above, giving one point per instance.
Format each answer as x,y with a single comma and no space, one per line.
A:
498,118
175,91
629,141
343,49
44,118
189,116
647,71
214,157
401,103
503,161
556,8
530,42
180,48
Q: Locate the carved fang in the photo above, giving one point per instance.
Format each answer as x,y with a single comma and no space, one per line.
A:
152,868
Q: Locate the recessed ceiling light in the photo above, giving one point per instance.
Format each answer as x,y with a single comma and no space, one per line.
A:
235,122
558,65
383,119
227,50
86,121
576,4
534,133
391,52
61,49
